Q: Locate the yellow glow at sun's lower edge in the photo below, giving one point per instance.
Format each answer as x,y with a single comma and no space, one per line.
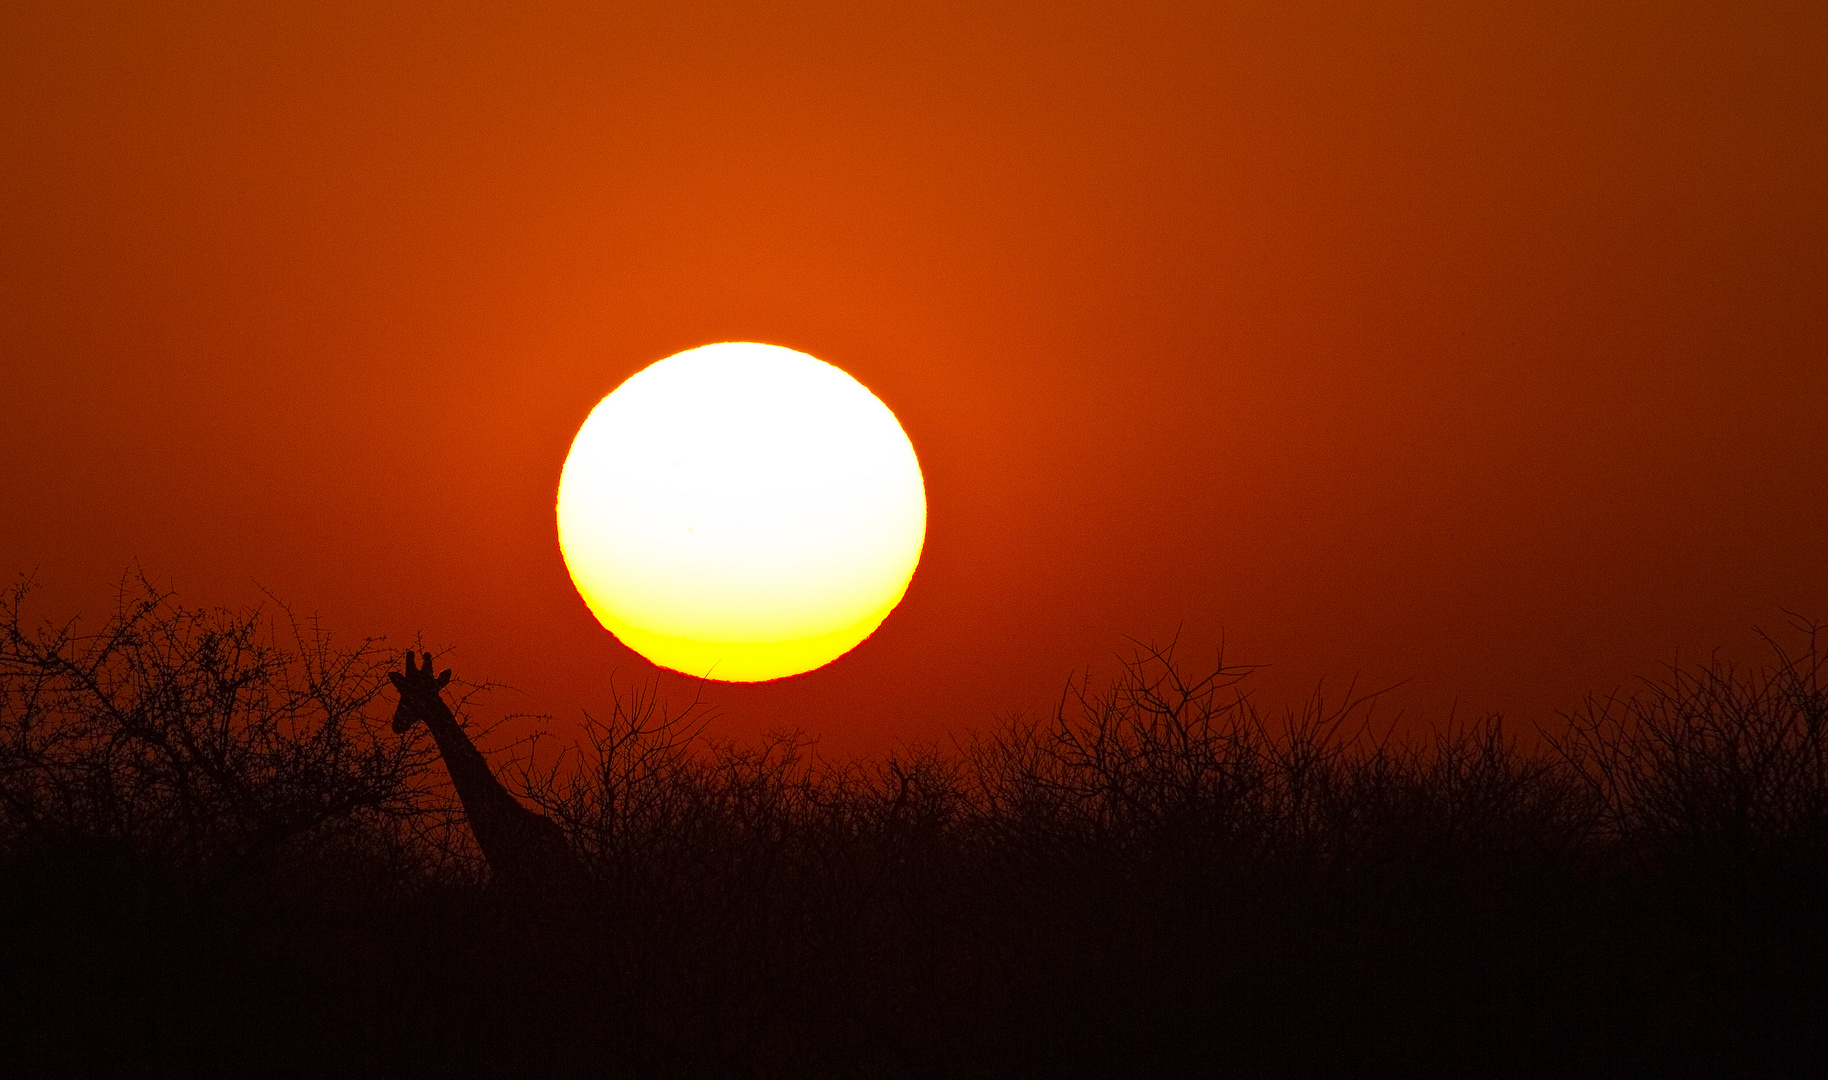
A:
755,661
742,512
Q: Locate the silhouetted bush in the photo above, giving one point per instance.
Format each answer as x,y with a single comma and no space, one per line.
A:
1717,769
204,740
1159,877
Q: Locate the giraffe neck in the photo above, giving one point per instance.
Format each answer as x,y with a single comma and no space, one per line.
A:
484,799
523,848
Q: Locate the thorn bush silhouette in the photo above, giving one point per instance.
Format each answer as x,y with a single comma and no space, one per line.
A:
1717,770
202,740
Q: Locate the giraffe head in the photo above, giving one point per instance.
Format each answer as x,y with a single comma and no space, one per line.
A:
418,692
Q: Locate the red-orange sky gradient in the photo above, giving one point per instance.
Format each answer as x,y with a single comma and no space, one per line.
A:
1479,345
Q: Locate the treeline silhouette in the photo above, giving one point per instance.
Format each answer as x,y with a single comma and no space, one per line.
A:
216,859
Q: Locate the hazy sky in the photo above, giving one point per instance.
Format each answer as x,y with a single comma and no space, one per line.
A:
1479,345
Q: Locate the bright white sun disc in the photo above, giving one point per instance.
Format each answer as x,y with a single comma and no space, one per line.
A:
741,511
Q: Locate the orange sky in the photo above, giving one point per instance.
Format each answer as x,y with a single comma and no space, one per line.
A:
1479,345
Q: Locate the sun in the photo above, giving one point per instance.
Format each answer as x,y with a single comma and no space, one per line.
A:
741,512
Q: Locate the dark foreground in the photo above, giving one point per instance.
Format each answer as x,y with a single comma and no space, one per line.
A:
216,862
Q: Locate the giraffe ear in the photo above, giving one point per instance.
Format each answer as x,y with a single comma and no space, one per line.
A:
442,679
399,683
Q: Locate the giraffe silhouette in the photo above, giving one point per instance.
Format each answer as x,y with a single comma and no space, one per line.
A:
524,849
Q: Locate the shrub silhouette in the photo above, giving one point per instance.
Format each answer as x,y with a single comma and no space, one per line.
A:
203,740
1717,770
1157,877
